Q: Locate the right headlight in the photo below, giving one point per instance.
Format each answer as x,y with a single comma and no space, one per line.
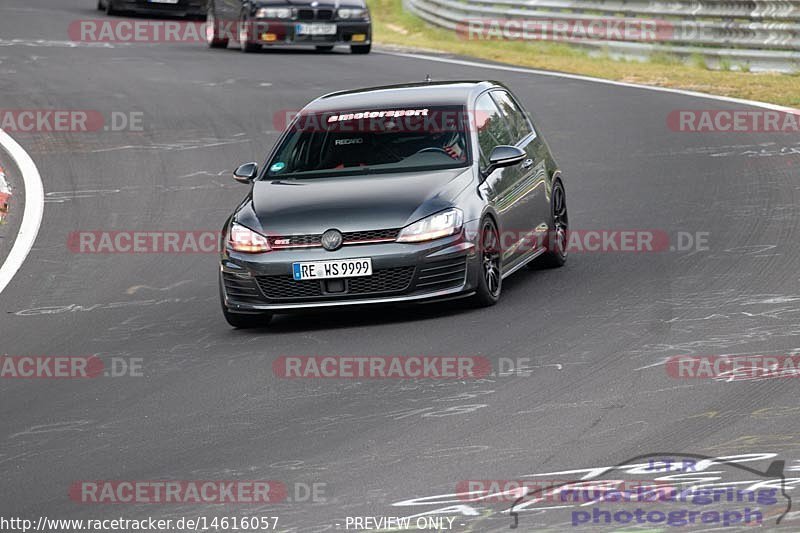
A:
436,226
274,13
352,13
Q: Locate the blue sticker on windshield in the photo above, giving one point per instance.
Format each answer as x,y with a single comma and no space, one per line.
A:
277,167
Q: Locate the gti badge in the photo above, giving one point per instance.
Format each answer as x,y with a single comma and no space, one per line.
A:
332,240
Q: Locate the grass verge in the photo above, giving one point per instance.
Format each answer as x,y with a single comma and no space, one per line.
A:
393,26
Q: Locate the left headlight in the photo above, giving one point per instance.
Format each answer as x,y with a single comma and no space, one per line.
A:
274,13
442,224
352,13
242,239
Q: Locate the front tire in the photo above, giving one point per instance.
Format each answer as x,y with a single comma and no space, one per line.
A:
490,283
244,37
360,49
213,34
100,6
558,237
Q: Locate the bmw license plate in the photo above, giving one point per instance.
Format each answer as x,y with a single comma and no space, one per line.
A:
315,29
338,268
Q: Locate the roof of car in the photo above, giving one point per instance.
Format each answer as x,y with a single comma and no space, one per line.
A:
422,93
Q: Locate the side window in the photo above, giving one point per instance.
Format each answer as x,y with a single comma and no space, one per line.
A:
490,126
517,120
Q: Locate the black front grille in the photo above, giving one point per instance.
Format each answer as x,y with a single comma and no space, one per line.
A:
289,241
381,282
285,287
374,235
315,14
305,14
350,237
441,275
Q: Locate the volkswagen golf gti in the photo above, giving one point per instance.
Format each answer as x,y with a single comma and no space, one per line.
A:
405,193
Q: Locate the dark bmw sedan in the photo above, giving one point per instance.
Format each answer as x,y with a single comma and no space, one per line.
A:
406,193
322,24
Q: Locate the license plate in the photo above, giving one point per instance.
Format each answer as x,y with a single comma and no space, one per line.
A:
315,29
338,268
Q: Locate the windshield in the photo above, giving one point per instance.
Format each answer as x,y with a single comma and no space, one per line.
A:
368,141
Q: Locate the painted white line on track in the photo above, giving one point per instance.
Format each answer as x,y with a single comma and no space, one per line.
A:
31,216
524,70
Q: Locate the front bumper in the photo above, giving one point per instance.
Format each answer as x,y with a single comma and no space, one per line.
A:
401,273
283,33
184,8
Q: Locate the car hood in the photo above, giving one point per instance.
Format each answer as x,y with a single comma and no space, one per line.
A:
358,203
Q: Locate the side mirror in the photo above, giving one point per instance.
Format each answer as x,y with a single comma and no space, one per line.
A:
246,173
504,156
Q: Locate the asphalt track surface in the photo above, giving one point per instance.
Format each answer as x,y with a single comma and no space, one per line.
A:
209,406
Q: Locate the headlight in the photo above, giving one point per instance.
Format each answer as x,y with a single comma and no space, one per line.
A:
274,13
241,239
350,13
433,227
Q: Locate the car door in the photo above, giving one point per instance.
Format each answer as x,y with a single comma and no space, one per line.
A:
492,130
527,193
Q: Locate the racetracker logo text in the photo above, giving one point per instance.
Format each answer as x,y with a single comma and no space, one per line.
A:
178,492
382,367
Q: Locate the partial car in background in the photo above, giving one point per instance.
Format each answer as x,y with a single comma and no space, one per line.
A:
320,24
195,9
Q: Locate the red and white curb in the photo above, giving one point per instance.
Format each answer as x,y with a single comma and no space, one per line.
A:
5,195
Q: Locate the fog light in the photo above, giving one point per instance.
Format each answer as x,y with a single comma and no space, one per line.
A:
359,37
269,37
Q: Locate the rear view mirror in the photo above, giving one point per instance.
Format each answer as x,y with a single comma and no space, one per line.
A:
246,173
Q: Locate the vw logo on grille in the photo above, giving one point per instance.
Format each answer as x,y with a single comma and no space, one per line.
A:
332,239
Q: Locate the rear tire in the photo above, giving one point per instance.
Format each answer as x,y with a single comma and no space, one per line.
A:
558,237
361,49
490,283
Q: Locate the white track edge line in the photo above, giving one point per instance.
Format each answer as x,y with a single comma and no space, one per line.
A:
32,214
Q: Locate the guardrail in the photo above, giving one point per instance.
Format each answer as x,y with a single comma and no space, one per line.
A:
756,35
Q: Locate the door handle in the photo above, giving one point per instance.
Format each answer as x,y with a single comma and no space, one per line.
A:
527,163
